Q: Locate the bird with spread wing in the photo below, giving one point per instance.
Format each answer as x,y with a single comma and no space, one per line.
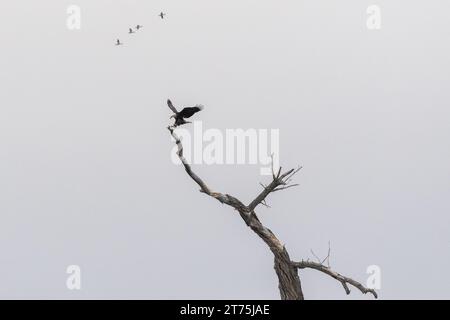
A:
185,113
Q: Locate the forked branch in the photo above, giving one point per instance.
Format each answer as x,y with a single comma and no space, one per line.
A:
345,281
280,181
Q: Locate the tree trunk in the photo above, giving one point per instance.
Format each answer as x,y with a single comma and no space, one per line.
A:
288,279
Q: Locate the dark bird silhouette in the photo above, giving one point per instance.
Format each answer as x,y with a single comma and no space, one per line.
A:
118,43
162,15
130,30
185,113
138,27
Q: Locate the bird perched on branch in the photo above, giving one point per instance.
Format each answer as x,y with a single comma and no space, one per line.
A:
185,113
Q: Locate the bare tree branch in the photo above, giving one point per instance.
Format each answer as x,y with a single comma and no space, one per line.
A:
279,182
223,198
264,203
327,258
287,271
286,187
315,255
342,279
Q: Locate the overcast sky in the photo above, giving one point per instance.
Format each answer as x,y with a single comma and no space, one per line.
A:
86,176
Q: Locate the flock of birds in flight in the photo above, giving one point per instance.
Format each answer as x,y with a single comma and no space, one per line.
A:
178,116
130,30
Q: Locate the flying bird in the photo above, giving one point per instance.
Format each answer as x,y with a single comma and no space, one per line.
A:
118,43
138,27
162,15
185,113
130,30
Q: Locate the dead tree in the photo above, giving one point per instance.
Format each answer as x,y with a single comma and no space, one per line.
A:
287,270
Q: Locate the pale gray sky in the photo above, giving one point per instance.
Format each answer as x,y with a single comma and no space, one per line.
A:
86,175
